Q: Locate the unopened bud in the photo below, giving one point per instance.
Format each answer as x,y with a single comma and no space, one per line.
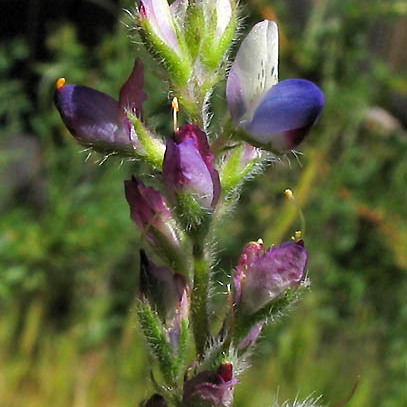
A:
261,277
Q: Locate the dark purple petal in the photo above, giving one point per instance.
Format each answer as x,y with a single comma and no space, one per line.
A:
265,278
94,118
145,203
150,212
189,166
156,401
132,95
210,389
286,114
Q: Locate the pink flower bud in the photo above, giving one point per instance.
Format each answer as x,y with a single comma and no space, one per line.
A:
151,214
262,276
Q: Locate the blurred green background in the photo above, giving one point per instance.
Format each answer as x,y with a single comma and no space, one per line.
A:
68,250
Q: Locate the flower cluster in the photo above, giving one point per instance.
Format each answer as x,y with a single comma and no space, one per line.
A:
195,179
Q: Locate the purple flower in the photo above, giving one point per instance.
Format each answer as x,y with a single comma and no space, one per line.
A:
158,14
274,115
262,276
211,389
156,401
189,167
151,214
97,120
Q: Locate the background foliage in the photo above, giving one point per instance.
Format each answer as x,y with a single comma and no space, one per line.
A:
68,250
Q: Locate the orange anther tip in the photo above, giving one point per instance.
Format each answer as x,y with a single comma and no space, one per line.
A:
174,104
60,83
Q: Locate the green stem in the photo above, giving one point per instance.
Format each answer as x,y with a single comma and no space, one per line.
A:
200,318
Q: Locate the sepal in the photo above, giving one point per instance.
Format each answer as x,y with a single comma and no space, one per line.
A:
194,26
155,335
168,294
151,148
245,326
163,288
239,164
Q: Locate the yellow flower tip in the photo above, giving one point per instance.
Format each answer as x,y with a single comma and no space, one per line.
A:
289,194
60,83
298,235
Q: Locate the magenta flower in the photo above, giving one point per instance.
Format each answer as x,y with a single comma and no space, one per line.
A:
211,389
97,120
189,167
262,276
274,115
151,214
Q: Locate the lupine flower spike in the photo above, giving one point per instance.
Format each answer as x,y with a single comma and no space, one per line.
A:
197,347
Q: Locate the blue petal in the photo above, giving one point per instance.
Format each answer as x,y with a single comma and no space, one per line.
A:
286,114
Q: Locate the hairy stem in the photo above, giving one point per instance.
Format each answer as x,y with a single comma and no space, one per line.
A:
200,320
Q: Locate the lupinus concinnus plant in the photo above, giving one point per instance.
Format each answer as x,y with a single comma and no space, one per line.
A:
198,178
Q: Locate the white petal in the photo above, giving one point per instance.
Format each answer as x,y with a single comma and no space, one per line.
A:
223,15
254,71
178,10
